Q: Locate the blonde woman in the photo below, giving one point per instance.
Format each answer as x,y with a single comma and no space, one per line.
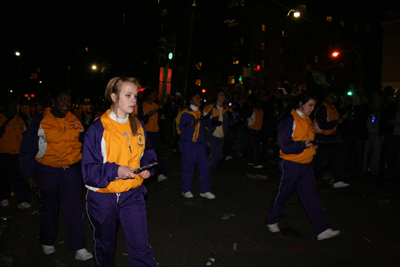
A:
114,146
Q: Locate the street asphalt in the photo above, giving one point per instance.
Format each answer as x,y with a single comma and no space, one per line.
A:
230,230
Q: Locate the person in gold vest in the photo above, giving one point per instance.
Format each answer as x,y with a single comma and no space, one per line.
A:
253,116
114,146
50,160
12,128
295,139
149,113
327,118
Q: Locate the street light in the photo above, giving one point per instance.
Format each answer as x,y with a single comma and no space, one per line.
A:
94,67
337,53
17,53
296,14
189,47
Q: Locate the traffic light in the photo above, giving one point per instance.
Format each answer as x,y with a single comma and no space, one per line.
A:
203,91
240,79
170,47
350,93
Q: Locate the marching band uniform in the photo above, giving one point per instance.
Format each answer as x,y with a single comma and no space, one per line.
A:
193,148
108,145
51,153
296,172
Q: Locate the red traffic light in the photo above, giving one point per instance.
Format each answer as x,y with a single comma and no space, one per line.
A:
257,68
203,91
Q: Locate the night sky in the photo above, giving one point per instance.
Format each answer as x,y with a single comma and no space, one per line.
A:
52,35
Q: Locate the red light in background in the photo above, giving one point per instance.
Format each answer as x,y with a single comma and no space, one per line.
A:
203,91
32,95
26,95
141,89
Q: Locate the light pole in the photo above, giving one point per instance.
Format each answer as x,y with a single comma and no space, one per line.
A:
337,53
296,14
189,48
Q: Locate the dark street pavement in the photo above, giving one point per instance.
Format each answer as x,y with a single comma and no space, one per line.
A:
230,230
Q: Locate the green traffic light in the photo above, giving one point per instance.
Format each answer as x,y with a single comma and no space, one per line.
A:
240,79
170,55
349,93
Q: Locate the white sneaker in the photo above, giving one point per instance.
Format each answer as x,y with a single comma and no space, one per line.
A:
188,194
83,255
48,249
259,166
5,203
328,233
340,184
208,195
273,228
24,205
161,178
228,158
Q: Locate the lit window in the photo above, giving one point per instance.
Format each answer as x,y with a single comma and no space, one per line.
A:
164,12
241,40
283,33
316,59
262,63
302,7
231,79
198,65
329,18
263,27
198,82
342,23
235,62
262,45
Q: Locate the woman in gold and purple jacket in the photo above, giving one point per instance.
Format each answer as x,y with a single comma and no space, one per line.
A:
295,139
50,157
115,145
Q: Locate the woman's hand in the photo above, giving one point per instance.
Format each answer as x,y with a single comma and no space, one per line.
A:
125,172
144,174
309,144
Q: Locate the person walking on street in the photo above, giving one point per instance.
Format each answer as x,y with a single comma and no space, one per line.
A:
12,128
218,112
115,145
295,138
327,118
50,159
149,114
193,146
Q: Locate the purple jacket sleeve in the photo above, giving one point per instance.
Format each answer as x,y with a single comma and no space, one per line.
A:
149,154
95,172
321,117
29,148
285,139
